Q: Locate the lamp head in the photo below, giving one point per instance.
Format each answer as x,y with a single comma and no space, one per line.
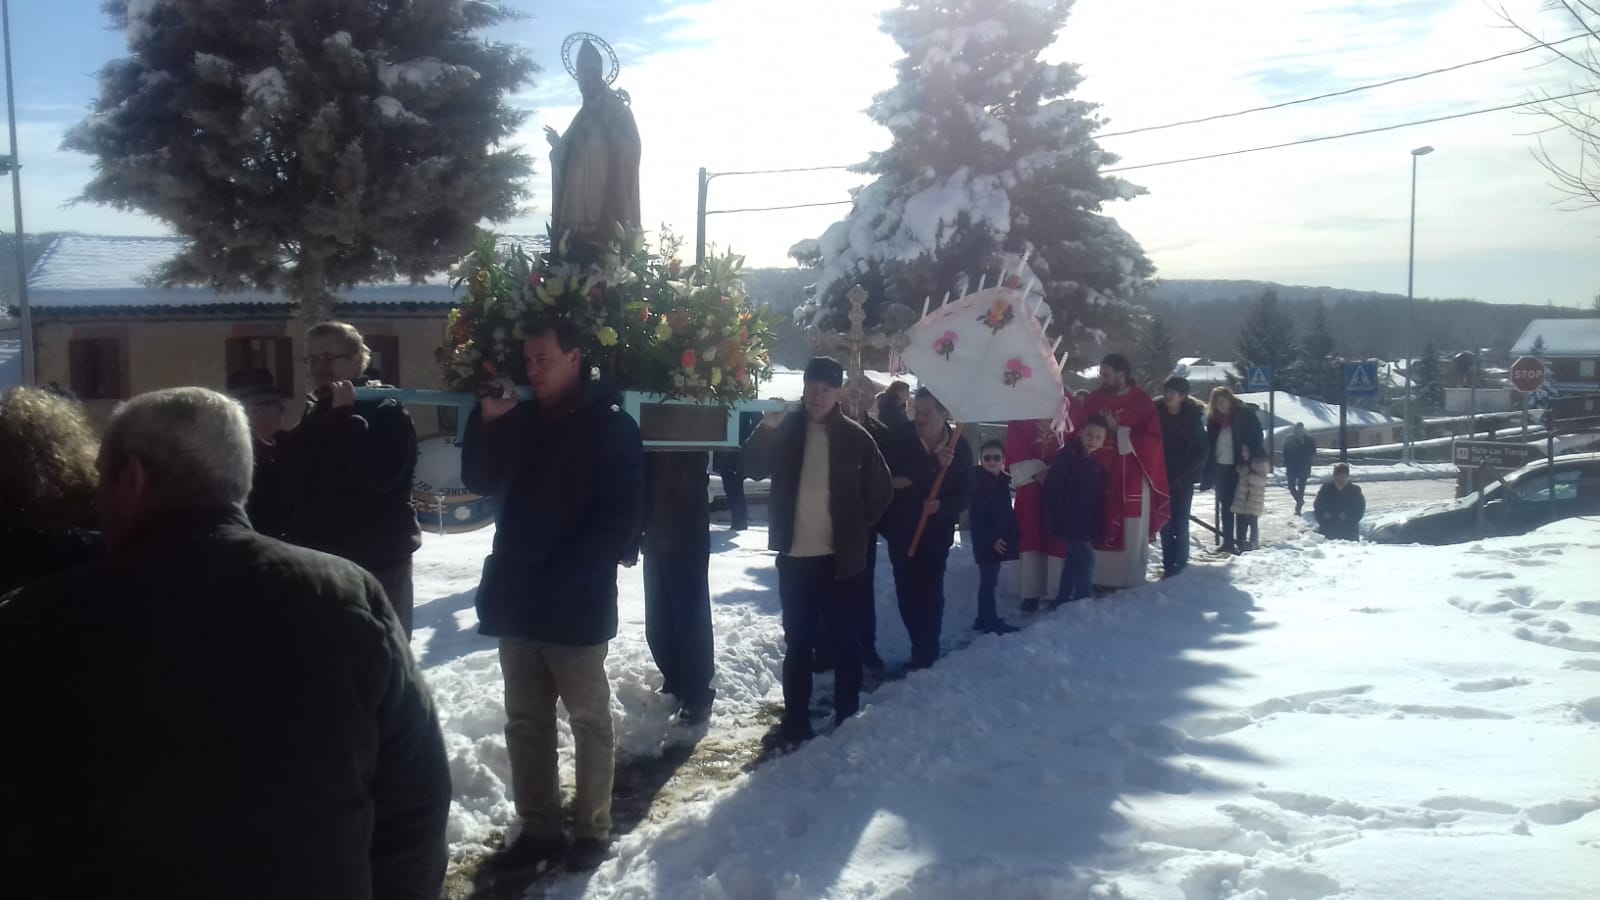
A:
1422,151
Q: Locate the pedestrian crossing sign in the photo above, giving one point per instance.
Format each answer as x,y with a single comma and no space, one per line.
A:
1360,379
1259,379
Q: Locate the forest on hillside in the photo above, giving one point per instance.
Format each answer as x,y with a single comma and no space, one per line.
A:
1204,319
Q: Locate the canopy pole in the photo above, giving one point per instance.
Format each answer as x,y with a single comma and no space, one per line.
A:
938,483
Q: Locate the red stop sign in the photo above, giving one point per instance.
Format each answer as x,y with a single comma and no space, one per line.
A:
1527,374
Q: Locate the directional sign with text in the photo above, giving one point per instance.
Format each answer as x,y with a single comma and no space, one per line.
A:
1259,379
1360,379
1494,455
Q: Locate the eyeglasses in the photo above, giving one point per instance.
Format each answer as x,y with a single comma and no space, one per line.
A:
325,358
990,457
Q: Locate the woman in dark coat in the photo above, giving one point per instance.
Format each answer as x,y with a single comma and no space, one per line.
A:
47,487
1236,438
917,451
995,533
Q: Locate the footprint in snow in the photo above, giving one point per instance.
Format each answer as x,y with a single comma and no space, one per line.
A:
1488,684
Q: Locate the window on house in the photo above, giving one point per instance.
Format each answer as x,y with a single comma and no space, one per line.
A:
275,354
97,368
1586,368
385,357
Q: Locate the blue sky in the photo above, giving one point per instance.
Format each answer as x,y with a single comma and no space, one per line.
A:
776,84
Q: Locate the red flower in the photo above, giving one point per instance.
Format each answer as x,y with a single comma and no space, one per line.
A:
688,359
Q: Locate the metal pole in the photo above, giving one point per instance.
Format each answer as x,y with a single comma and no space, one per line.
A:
1344,405
1411,269
1272,421
700,223
29,376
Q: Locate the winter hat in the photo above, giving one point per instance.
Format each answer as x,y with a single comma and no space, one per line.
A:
1177,383
825,369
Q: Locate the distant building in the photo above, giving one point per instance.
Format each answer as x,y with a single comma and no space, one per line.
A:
1204,374
103,331
1363,427
1571,352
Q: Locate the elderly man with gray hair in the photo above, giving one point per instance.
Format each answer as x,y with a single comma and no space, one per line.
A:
209,712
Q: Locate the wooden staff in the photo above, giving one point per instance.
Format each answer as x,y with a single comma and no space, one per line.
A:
934,494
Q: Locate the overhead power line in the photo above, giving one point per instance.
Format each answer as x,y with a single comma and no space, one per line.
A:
751,209
1344,92
1348,134
781,171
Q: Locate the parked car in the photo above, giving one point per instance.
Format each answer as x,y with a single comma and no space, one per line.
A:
1516,505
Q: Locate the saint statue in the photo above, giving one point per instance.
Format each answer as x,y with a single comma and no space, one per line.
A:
595,165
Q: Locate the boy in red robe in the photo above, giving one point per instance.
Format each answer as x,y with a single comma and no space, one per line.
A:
1031,445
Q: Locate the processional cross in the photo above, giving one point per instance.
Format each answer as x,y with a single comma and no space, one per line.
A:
858,389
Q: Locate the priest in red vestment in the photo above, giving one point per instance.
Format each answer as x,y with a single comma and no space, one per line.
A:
1137,501
1030,446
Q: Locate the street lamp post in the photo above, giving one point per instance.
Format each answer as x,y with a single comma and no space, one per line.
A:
10,164
1411,270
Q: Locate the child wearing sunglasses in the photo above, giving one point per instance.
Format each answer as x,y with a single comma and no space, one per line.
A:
995,534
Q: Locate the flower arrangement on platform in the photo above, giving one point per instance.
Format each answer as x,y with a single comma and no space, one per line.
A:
648,323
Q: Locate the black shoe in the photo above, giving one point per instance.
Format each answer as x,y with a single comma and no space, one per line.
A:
1229,550
999,626
1030,605
871,660
695,713
792,734
587,854
528,852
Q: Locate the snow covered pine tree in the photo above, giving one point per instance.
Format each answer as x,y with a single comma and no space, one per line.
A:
308,144
989,155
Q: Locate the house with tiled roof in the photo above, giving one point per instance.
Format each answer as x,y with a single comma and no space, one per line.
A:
103,328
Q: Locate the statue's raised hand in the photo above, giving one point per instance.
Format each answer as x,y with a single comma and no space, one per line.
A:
551,135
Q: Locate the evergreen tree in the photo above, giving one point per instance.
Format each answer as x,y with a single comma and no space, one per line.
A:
1155,358
1315,374
1430,379
307,145
1266,339
1538,346
990,154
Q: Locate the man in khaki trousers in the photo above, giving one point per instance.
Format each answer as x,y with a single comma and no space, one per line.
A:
568,472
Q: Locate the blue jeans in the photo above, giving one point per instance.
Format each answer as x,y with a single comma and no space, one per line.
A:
1175,534
988,578
1077,573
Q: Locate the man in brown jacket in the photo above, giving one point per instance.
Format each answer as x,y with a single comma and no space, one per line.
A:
829,487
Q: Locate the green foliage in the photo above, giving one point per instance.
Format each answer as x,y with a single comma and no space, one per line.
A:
1429,382
1314,374
307,145
646,321
1155,359
1266,338
990,155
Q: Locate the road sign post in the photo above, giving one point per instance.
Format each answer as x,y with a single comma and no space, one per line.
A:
1259,378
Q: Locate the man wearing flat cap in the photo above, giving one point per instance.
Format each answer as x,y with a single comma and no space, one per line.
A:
829,488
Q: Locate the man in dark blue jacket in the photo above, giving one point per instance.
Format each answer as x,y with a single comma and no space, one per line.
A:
568,472
1298,452
1183,438
917,452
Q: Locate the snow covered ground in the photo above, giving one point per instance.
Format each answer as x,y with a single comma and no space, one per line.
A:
1313,720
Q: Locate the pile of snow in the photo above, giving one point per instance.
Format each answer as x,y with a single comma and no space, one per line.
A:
1361,474
1313,720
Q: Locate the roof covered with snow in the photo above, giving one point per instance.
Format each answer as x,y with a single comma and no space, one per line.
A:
104,273
1562,337
1317,416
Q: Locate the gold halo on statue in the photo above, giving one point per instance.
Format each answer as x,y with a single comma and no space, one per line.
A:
574,40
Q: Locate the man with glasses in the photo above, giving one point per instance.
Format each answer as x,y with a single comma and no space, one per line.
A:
348,467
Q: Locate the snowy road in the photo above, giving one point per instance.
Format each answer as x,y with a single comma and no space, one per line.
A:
1314,720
